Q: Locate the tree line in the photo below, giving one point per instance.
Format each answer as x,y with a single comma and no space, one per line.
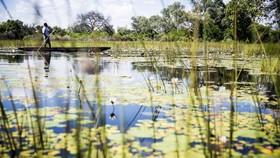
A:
212,20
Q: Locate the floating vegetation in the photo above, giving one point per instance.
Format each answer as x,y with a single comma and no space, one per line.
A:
128,107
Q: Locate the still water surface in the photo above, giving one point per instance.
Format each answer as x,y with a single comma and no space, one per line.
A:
142,108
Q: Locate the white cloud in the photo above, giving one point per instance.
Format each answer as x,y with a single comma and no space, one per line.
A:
117,12
63,14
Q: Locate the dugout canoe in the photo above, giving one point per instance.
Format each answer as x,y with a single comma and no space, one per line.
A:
65,49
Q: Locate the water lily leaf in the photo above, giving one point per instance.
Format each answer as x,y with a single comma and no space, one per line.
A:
249,133
145,133
53,153
86,121
188,153
179,142
27,153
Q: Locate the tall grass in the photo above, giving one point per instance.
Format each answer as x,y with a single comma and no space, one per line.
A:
206,130
155,53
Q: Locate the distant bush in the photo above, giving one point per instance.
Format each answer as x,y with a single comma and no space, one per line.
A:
176,35
274,36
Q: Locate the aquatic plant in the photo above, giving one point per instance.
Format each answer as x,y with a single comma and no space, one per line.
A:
228,105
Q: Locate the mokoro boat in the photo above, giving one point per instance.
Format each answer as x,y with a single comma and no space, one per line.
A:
65,49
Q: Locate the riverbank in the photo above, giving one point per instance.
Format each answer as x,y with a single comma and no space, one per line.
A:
156,46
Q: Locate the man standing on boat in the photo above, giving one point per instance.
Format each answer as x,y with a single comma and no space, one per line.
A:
46,32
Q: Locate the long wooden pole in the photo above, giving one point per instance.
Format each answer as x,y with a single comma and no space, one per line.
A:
45,40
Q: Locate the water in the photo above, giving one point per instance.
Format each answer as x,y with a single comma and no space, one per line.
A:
154,110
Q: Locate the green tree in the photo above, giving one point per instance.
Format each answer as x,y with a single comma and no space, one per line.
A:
177,35
142,26
213,20
259,33
274,36
247,12
60,31
108,29
28,30
123,31
211,13
91,21
125,34
155,22
174,17
12,29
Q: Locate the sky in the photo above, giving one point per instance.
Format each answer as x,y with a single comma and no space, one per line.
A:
63,13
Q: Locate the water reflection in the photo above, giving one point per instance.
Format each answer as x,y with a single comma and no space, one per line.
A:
113,116
47,62
156,112
89,66
12,58
71,109
217,78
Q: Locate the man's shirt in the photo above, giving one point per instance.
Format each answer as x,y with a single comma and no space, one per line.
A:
45,31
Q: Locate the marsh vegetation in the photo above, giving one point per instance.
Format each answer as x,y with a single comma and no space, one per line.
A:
152,101
174,94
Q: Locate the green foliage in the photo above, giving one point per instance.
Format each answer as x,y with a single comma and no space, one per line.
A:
156,24
60,31
247,12
177,35
140,24
216,23
122,31
94,35
14,29
99,34
124,34
213,27
212,31
165,27
274,36
228,35
91,21
272,49
173,17
260,33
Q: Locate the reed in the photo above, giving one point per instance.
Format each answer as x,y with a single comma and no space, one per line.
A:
215,130
193,92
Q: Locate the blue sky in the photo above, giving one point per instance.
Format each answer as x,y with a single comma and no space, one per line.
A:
63,12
